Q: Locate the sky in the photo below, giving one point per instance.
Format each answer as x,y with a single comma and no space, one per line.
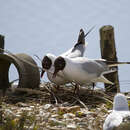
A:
40,27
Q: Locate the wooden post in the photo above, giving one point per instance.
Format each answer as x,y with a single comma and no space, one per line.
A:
108,52
1,44
1,52
1,112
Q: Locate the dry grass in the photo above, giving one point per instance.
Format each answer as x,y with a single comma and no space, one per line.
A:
95,102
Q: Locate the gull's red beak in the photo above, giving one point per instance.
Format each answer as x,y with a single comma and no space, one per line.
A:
42,73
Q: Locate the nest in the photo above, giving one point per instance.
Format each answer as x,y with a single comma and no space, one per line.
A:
48,93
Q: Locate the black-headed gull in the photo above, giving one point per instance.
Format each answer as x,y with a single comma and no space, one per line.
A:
48,60
82,70
119,113
47,64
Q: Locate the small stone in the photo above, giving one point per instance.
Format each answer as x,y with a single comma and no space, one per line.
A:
73,109
47,106
55,122
55,109
26,109
20,104
55,115
68,115
18,115
71,126
69,120
76,119
31,106
82,124
46,115
41,113
19,112
9,112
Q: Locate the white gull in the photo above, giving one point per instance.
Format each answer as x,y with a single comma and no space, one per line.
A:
48,60
120,111
82,70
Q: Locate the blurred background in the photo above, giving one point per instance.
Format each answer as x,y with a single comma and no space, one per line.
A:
40,27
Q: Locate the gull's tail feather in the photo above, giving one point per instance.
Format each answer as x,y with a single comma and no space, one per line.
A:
115,63
89,31
104,80
81,39
109,71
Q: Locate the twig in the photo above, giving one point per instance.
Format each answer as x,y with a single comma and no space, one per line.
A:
103,98
80,102
28,90
52,94
73,103
37,57
1,112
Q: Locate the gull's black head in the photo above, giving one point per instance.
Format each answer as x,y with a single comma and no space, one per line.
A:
46,64
59,64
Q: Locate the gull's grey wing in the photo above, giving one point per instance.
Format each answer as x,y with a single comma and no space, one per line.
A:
93,67
98,69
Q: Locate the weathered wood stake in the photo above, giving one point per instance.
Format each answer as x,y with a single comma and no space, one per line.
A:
1,43
1,46
108,52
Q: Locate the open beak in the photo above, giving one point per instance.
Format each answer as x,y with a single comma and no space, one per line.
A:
42,73
55,73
